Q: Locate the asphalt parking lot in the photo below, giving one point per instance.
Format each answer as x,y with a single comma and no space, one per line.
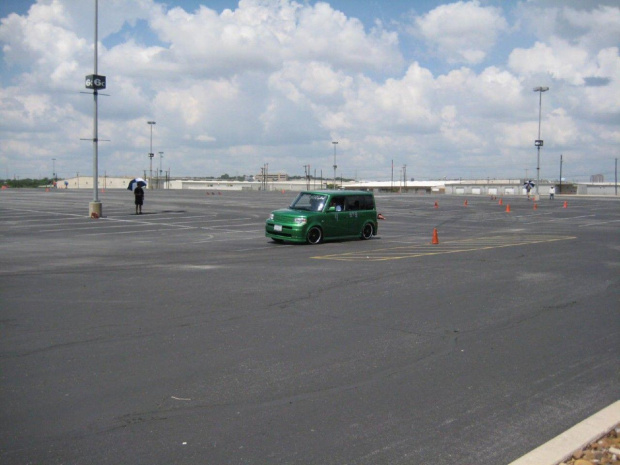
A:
184,336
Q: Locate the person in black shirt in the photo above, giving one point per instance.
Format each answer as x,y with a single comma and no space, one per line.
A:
139,196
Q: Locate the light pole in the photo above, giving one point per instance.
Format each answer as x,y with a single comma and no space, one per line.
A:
538,142
335,165
53,169
561,162
95,82
151,154
161,155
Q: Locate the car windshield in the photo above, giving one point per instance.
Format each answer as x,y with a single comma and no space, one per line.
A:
309,202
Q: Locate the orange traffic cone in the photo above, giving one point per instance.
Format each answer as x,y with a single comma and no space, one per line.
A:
508,208
465,204
501,202
435,237
436,204
565,204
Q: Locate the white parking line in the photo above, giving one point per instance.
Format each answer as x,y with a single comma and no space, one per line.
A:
596,224
133,231
571,218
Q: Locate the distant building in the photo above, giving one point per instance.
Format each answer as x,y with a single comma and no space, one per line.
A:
597,178
279,177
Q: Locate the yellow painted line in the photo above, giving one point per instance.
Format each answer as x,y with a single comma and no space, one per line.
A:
428,249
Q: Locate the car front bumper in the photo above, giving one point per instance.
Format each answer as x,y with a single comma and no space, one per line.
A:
288,232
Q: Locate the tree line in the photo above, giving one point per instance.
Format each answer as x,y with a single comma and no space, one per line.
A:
27,182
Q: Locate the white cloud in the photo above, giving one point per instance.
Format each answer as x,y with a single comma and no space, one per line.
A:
262,35
43,44
315,81
588,25
461,32
558,59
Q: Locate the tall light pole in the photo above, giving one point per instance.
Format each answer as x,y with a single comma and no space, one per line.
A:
538,142
161,155
151,154
96,83
53,169
561,161
335,165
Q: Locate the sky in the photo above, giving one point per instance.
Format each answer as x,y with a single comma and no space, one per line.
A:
443,88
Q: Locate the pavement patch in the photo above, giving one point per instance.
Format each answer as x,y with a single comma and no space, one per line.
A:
427,249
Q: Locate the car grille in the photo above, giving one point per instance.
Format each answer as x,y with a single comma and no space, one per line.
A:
286,231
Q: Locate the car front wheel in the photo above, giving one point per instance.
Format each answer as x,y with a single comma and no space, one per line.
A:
314,235
367,231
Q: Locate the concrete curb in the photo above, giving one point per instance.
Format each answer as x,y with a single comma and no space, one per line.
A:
579,436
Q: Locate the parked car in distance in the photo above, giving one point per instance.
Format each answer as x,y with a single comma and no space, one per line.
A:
317,216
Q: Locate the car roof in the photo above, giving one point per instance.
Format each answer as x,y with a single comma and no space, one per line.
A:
337,192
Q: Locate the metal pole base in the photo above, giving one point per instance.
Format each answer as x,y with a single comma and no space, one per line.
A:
95,210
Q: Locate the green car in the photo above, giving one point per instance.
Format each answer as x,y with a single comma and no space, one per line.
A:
317,216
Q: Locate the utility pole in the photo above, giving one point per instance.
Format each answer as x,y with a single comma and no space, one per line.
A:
151,154
307,172
538,142
335,165
561,160
161,155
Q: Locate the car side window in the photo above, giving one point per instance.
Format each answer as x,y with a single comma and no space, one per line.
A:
353,203
337,203
368,202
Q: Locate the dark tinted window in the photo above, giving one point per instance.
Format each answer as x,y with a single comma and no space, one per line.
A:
360,202
367,202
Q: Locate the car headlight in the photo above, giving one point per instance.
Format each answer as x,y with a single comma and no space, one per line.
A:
271,216
301,220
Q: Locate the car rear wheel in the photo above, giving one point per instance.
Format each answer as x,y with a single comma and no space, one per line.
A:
367,231
314,235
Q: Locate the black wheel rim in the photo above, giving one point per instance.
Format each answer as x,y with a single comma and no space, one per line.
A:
367,231
314,236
